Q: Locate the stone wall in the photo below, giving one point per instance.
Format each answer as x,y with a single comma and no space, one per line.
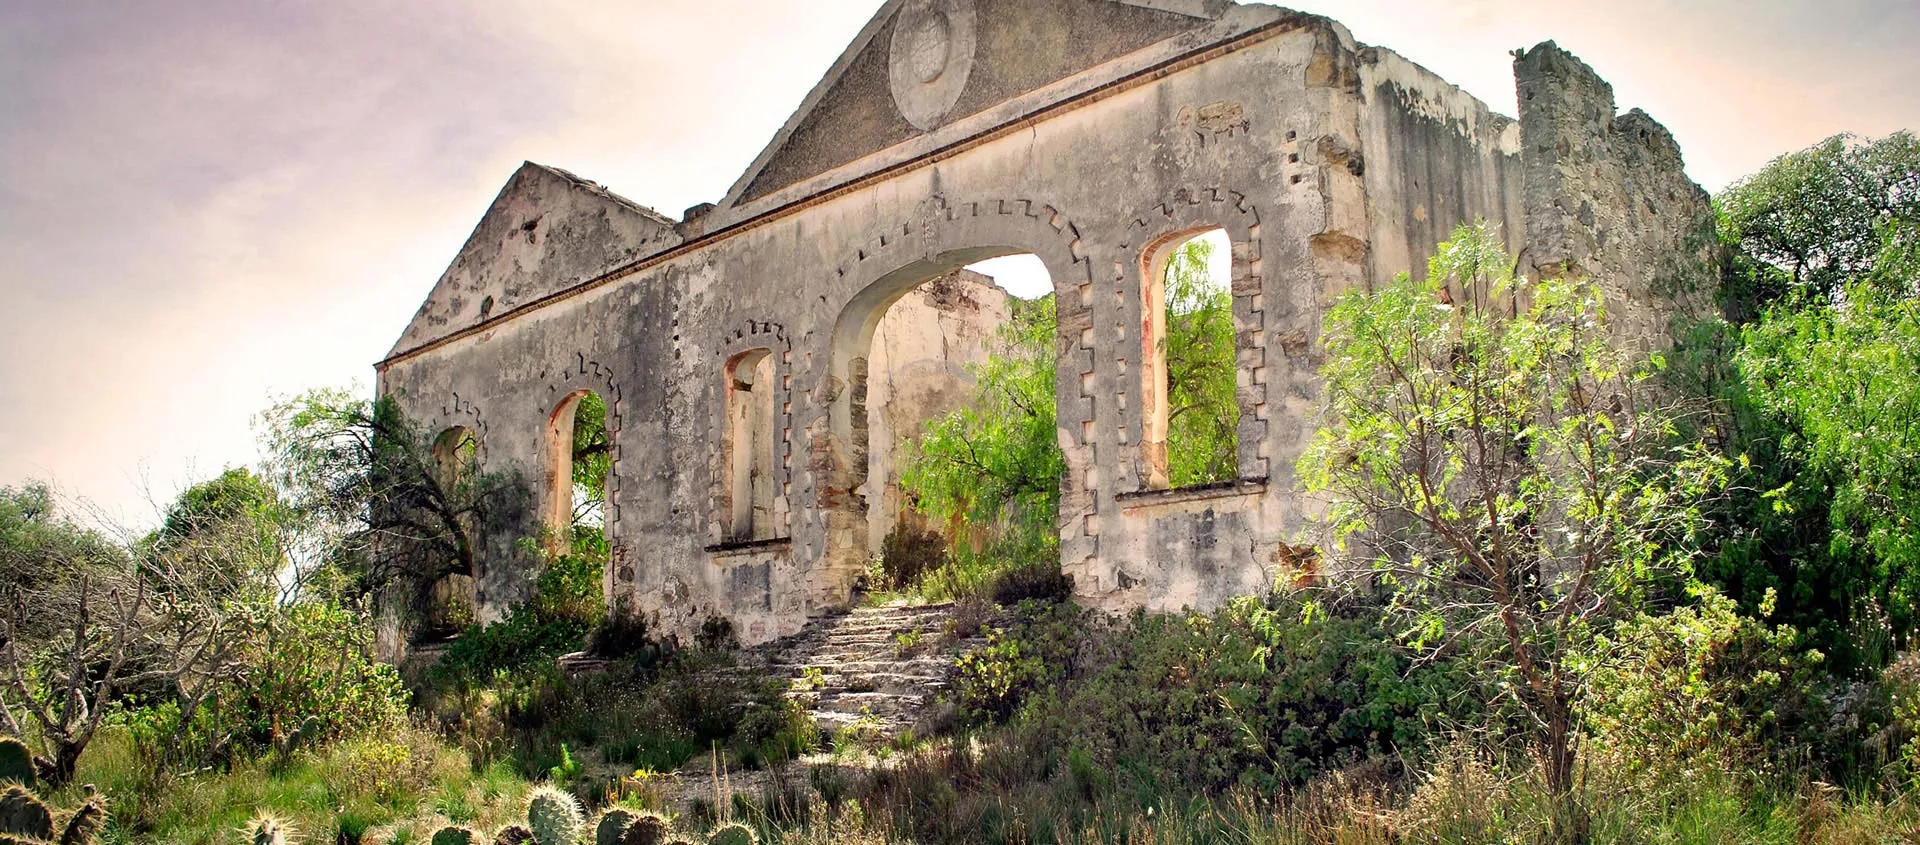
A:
1608,198
1329,165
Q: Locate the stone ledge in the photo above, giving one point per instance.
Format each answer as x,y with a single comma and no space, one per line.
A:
1197,493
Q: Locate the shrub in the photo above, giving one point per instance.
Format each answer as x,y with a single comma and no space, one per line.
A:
1263,692
1703,681
1039,580
623,633
909,552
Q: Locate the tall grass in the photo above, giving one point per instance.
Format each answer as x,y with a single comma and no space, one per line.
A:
352,787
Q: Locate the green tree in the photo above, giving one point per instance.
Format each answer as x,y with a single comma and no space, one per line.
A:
1816,220
90,624
997,461
375,507
1844,383
222,536
1512,480
1203,410
1804,379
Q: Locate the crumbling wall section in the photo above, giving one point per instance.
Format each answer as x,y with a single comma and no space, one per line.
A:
1434,158
1608,198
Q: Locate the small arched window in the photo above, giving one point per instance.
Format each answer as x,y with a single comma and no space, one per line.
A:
748,447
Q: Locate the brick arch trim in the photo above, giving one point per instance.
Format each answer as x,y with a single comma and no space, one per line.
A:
457,412
1191,210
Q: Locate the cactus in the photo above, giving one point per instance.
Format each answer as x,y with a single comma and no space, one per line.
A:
647,829
513,834
268,829
22,815
554,816
612,826
16,762
732,834
452,835
86,823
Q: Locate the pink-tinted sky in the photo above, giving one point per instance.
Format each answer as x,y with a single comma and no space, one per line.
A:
205,203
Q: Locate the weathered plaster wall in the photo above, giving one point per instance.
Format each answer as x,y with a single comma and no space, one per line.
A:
1434,157
1328,164
547,230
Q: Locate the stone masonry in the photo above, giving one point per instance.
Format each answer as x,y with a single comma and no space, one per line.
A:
733,345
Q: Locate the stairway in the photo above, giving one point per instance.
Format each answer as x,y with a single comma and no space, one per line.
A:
874,670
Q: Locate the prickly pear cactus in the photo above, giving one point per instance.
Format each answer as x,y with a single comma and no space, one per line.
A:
732,834
451,835
612,826
16,762
647,829
554,816
513,834
84,826
268,829
22,815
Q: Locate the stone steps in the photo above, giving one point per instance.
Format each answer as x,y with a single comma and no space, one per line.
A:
855,672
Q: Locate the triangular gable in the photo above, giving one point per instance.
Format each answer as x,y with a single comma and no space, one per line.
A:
547,230
921,64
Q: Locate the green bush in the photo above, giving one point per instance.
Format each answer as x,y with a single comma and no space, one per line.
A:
1702,681
1263,692
306,676
908,553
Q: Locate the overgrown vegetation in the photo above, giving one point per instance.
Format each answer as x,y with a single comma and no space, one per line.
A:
1566,592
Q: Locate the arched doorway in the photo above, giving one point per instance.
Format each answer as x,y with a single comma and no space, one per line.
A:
908,351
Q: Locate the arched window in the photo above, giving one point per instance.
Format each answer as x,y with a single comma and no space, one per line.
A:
749,446
451,600
579,466
456,456
1190,411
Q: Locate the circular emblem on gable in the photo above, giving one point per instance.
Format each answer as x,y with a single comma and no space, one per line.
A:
930,58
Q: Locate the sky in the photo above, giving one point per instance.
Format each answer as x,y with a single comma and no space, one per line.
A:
206,204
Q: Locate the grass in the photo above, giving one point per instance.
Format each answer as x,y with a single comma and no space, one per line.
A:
359,785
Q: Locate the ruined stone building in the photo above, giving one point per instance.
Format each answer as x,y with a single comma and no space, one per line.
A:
756,379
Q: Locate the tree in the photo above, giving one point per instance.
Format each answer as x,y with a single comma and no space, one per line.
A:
997,461
376,508
1816,219
1203,410
73,642
1807,382
222,536
45,554
1843,383
1512,481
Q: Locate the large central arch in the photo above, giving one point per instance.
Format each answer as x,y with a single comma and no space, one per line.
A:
946,237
